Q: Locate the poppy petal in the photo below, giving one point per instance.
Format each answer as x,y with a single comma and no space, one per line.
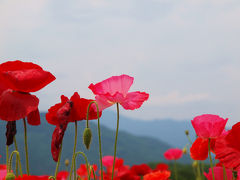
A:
134,100
33,118
15,105
24,77
51,115
199,149
112,85
80,106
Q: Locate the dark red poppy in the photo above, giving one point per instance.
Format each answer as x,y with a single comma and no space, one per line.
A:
227,148
141,169
67,111
17,80
199,148
83,172
161,167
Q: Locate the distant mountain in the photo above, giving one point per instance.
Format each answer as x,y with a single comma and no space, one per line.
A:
134,149
167,130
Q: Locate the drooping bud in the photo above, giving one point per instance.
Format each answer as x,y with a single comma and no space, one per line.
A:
87,137
10,176
184,150
10,132
194,164
187,132
66,162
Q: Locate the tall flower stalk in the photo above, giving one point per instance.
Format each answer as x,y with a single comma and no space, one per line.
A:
99,134
73,156
26,146
115,144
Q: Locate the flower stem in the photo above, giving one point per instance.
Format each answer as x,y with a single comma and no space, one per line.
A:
26,146
210,157
199,175
74,150
10,161
115,145
175,170
86,161
18,162
57,166
92,170
7,156
99,134
224,173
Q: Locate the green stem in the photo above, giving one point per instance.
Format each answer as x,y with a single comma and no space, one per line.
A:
7,156
16,148
224,173
74,150
198,170
202,168
190,141
99,135
51,177
115,145
175,170
57,166
92,171
10,161
86,160
26,146
210,157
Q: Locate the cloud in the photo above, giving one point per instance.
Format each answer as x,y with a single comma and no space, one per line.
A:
175,98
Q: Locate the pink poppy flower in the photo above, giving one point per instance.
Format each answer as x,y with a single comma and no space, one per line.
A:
3,171
208,125
115,90
218,173
173,154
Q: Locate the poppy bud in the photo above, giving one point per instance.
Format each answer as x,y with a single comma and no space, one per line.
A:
187,132
66,162
11,132
184,150
87,137
10,176
194,164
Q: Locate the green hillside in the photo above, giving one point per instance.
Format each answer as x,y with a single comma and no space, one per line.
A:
134,149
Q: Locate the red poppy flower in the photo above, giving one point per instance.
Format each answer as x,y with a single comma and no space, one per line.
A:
161,167
115,90
158,175
173,154
26,177
208,125
227,149
17,80
83,172
141,169
67,111
3,171
62,175
218,173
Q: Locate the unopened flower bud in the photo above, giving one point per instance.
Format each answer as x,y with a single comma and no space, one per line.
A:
10,176
187,132
87,137
66,162
184,150
194,164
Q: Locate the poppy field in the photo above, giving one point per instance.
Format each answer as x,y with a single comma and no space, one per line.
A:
214,145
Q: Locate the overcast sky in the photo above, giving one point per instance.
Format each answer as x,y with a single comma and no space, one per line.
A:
184,53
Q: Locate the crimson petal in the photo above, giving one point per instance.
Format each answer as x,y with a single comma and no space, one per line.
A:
33,118
24,77
15,105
